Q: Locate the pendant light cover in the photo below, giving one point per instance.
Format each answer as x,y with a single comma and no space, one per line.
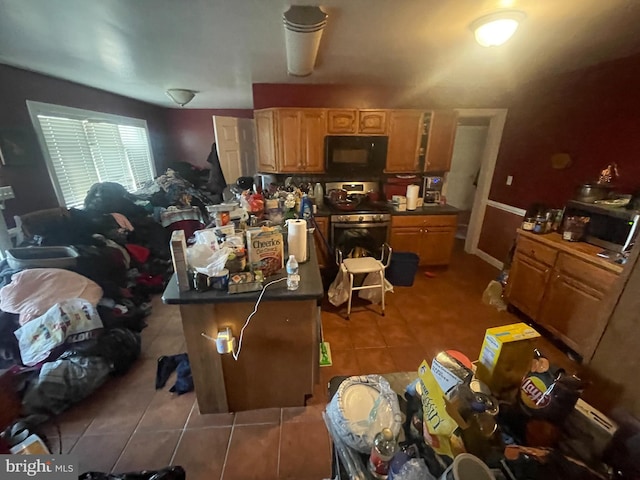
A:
303,27
180,95
496,28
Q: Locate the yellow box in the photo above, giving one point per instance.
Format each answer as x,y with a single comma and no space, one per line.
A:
506,356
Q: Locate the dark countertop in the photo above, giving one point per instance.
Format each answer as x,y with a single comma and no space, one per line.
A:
425,210
429,210
310,287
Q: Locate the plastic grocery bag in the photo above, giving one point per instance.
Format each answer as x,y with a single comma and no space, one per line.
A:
339,288
493,296
204,260
374,295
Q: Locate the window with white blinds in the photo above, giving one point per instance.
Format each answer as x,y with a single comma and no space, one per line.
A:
83,148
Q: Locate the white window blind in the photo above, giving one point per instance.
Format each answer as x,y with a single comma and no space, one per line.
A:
84,149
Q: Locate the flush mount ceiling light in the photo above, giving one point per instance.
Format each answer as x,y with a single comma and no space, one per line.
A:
180,95
496,28
303,27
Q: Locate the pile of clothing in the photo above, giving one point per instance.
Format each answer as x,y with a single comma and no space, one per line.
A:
64,331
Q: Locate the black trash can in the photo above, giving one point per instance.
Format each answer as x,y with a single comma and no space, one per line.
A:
402,268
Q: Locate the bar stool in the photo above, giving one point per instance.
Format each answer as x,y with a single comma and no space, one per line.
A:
365,265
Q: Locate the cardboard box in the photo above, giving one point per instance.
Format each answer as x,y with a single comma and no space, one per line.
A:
506,356
178,247
266,250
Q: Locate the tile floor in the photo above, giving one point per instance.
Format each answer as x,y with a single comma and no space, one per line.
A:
127,425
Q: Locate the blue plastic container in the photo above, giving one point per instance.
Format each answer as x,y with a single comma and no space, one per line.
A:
402,269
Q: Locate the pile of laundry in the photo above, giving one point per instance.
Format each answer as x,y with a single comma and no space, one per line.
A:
64,331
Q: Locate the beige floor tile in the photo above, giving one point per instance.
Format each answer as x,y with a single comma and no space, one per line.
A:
167,411
202,452
260,443
148,451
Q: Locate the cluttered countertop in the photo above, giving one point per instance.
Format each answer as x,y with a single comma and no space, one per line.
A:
310,287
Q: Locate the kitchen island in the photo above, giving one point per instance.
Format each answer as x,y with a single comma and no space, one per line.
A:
278,363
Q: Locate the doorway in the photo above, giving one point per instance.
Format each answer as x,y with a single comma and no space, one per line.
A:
462,178
496,119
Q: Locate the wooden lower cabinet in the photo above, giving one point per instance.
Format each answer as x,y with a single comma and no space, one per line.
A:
559,287
431,237
527,283
320,239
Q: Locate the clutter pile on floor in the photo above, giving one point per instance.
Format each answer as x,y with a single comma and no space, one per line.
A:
68,323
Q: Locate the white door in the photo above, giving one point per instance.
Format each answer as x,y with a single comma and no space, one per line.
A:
228,145
247,137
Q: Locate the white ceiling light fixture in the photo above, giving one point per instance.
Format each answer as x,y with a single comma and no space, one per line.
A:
496,28
303,27
180,95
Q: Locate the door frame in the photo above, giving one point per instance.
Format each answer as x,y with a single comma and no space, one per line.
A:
497,118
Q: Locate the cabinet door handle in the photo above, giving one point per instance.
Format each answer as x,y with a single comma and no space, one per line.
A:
426,230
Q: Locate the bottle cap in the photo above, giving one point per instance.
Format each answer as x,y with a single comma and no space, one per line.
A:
387,434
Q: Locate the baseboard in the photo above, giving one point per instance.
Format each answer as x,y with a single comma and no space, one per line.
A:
490,260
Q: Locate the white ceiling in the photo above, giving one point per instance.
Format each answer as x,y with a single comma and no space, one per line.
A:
139,48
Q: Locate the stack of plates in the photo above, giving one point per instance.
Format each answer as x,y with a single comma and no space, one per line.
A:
304,19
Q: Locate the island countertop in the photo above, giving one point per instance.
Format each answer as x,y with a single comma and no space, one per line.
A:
310,287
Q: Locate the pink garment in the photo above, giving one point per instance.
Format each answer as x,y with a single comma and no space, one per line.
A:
122,221
32,292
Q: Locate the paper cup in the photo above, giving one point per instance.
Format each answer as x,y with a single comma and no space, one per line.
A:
467,467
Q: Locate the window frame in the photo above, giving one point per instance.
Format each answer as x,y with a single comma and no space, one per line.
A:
50,109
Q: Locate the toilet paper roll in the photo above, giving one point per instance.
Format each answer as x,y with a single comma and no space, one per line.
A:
412,196
297,239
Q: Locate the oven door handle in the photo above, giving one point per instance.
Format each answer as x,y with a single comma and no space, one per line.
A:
360,225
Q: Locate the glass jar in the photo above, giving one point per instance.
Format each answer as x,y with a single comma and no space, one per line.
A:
528,224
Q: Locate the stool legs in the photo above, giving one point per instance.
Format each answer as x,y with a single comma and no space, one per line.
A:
383,289
350,294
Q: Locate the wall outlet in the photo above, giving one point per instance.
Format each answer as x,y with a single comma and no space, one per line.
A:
509,179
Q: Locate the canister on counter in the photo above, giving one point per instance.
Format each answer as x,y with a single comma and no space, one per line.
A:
528,224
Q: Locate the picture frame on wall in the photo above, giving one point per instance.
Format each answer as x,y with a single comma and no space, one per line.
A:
15,148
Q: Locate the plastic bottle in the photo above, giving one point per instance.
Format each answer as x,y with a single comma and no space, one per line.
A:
306,210
318,194
383,450
293,279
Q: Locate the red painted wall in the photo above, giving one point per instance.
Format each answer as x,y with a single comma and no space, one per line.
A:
190,132
593,114
31,182
266,95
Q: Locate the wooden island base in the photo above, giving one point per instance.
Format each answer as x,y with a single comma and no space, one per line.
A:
278,361
278,364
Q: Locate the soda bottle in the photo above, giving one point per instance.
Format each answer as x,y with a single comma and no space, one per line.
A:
383,450
293,279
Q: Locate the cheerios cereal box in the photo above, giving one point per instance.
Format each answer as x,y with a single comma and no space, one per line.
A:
266,249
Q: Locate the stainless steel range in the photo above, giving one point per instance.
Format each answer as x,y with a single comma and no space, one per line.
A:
367,226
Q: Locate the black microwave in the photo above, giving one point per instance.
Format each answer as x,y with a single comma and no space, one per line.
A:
346,154
611,228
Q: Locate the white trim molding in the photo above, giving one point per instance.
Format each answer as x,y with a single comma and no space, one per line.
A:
494,262
506,208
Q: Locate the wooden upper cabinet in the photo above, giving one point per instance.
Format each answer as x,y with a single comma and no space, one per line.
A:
265,138
372,122
313,130
442,134
342,121
405,130
288,140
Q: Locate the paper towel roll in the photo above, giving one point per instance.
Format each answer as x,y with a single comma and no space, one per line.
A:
412,196
297,239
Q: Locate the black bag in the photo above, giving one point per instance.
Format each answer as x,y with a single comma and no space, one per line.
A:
167,473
